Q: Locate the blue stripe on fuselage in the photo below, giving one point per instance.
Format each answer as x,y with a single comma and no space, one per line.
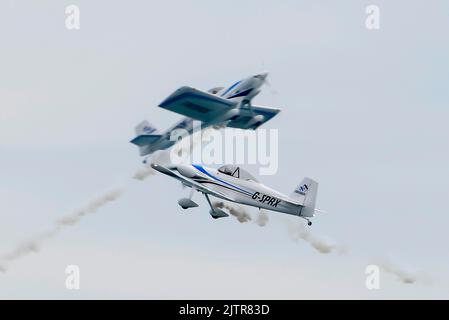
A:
201,169
241,94
231,87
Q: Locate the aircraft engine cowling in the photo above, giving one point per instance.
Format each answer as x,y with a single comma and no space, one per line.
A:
187,171
256,119
215,90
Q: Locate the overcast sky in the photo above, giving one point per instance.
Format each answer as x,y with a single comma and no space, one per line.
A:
364,112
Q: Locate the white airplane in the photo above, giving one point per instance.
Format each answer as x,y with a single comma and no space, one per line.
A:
220,106
234,184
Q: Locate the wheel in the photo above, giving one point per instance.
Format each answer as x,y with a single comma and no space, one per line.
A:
309,223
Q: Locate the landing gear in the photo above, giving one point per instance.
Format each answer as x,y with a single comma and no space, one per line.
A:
214,212
187,203
309,223
246,104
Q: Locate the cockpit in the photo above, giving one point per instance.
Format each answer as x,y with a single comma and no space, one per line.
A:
236,172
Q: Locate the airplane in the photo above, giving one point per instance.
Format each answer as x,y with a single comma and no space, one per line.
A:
218,107
235,184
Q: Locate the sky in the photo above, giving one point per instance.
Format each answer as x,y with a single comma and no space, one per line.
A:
364,112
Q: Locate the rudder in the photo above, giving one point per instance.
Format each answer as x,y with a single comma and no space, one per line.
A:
307,190
145,137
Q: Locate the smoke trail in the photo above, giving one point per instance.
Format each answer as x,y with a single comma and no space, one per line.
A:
27,247
143,173
34,244
322,244
326,245
403,274
146,171
91,207
296,229
262,218
160,156
185,146
236,211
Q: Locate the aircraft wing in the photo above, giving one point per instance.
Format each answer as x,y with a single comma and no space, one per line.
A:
197,104
191,183
245,119
214,193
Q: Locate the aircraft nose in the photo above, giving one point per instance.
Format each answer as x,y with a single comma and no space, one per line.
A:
155,166
261,76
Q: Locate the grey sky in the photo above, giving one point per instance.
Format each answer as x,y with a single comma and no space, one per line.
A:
363,112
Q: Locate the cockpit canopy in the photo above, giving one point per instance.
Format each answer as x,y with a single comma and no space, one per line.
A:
215,90
236,172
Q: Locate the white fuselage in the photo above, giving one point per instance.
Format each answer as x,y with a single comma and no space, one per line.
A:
247,192
244,90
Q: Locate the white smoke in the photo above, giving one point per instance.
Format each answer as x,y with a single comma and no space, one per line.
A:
262,218
143,173
235,210
298,230
146,171
403,273
91,207
323,244
34,243
185,146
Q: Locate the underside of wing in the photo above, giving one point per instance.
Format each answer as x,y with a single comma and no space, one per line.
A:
196,104
204,189
252,117
145,139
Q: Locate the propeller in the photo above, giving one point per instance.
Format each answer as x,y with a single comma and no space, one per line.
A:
266,82
269,85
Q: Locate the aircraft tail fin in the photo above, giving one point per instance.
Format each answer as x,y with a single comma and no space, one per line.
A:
145,128
306,192
145,136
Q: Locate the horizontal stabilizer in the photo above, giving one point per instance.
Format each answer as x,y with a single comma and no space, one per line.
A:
145,139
